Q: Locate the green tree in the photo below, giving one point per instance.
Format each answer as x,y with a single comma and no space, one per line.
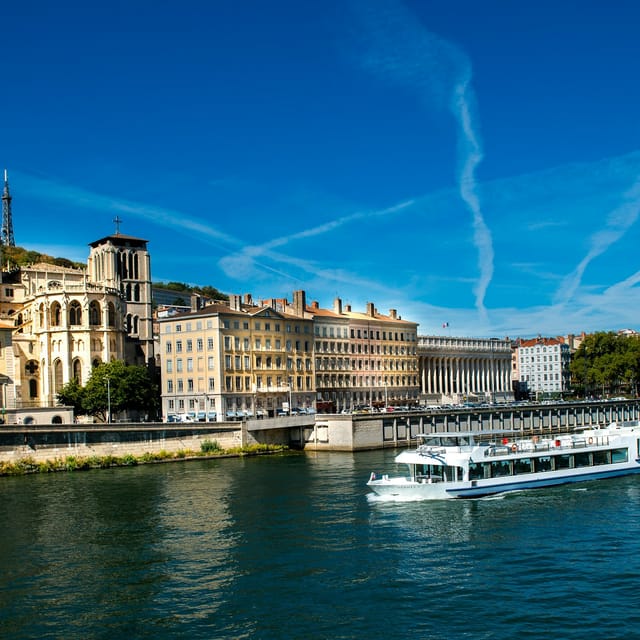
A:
116,385
72,395
606,363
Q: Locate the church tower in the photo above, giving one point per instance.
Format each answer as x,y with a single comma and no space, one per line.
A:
6,236
122,263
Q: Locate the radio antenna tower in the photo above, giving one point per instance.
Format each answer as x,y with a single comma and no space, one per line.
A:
6,237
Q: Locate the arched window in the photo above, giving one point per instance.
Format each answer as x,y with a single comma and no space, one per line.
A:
33,388
128,292
112,314
96,362
41,315
77,369
136,293
57,375
94,313
75,313
127,327
136,273
135,324
56,314
56,420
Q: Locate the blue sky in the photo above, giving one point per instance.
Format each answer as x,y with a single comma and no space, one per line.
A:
474,163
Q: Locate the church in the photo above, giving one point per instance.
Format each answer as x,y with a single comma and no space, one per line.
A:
57,323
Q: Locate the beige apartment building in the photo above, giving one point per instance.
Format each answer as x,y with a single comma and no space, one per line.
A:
239,359
384,358
362,359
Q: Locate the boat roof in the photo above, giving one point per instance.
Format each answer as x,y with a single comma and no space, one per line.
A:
475,434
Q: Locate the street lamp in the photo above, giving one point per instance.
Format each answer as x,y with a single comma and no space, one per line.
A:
386,402
290,403
108,400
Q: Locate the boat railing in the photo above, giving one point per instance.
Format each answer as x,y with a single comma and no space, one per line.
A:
537,446
429,450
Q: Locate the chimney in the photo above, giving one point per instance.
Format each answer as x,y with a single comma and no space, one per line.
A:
393,313
337,306
248,300
370,309
196,302
235,302
299,303
348,308
315,305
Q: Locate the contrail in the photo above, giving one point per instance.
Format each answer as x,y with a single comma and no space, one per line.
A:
618,222
402,50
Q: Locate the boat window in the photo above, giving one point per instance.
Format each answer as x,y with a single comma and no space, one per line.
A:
601,457
619,455
563,461
582,459
523,465
476,471
543,463
499,469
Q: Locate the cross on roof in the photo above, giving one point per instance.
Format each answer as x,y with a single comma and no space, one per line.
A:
117,221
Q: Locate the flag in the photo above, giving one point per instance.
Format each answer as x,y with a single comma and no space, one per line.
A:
445,325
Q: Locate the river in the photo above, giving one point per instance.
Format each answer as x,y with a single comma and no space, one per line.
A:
289,546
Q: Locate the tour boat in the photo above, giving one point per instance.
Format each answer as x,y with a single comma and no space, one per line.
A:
477,464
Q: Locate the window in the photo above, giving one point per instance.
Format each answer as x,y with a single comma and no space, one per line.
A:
209,343
168,348
179,364
199,344
189,364
178,346
210,362
75,313
189,346
169,366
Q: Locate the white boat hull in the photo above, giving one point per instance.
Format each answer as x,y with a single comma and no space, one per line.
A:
403,489
454,465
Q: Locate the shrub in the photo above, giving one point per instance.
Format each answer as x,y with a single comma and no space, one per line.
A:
210,446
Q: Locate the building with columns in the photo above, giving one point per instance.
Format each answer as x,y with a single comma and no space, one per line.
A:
454,370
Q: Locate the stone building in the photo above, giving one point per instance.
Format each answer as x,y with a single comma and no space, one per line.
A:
543,365
454,370
235,359
67,320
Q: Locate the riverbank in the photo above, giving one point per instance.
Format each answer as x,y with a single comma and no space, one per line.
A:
208,450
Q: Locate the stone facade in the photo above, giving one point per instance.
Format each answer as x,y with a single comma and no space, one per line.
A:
67,320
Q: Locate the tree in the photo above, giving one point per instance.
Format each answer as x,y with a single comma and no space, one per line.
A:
607,363
112,385
72,395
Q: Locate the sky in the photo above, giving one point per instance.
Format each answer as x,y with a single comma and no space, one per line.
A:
474,165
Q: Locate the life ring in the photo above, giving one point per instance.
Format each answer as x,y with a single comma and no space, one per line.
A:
514,447
590,440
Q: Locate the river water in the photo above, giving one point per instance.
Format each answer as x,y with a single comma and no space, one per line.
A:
291,547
